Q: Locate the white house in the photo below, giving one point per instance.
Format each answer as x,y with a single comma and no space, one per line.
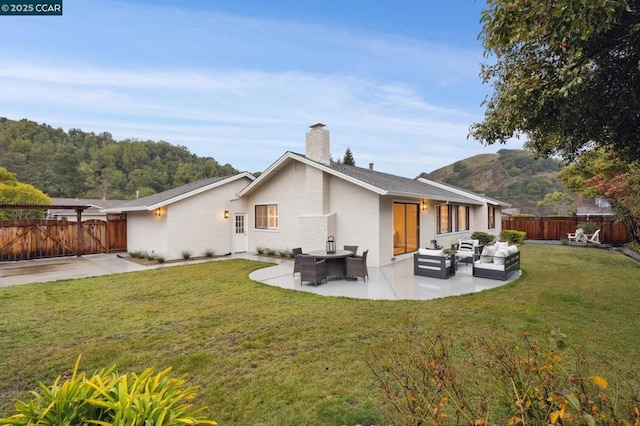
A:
301,200
193,218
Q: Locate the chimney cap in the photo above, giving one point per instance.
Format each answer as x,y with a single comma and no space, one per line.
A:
317,126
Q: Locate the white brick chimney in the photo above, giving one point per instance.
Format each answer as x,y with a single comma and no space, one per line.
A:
318,144
317,222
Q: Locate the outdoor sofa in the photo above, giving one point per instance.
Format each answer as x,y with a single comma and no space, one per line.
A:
433,263
497,262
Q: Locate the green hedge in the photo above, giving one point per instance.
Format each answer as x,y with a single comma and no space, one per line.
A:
516,237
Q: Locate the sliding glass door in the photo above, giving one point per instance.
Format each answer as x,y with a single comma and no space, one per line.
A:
406,221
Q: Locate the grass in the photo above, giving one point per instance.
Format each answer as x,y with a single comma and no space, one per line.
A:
265,355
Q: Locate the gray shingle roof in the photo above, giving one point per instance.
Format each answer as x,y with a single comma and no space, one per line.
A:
397,185
165,196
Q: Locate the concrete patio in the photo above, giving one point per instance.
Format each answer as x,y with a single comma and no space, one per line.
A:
391,282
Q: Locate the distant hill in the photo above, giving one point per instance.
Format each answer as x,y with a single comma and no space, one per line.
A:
510,175
77,164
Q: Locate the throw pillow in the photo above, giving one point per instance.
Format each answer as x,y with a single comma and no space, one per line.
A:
487,254
466,245
501,245
498,258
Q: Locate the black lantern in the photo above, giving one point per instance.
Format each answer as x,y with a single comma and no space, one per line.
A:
331,245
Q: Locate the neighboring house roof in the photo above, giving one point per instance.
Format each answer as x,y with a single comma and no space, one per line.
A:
378,182
594,207
65,206
93,202
161,199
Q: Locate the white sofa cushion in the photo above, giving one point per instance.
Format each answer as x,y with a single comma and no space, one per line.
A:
429,252
487,254
512,249
492,266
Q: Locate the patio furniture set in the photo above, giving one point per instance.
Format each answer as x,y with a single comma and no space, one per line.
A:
317,266
498,261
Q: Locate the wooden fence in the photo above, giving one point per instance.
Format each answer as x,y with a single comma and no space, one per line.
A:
556,228
36,239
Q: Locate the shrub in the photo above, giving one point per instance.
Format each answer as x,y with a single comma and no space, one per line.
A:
208,252
150,256
425,380
137,254
109,398
160,259
260,250
186,254
284,253
270,252
484,237
516,237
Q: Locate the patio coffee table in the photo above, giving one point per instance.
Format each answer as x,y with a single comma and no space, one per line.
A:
336,262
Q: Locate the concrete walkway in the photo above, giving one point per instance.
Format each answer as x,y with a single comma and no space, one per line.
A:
391,282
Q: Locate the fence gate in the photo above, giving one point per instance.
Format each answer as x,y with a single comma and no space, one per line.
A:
36,239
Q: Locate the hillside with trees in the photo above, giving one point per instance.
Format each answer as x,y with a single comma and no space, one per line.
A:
89,165
511,175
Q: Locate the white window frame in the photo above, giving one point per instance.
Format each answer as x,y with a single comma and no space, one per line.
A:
273,220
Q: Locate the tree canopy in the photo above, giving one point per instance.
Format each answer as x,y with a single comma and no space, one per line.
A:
14,192
565,74
348,158
89,165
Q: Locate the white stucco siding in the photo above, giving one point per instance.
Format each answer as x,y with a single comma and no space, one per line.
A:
358,218
197,223
286,188
147,232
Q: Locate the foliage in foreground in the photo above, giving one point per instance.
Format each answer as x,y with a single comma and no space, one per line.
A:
107,398
424,380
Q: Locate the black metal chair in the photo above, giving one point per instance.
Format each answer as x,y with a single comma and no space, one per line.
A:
312,270
354,249
296,266
357,266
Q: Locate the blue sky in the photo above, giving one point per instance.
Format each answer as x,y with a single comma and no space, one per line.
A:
240,81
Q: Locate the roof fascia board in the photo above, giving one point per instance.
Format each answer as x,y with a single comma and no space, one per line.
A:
458,191
292,156
198,191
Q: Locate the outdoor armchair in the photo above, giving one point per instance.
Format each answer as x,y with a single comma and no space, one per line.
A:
354,249
296,265
357,266
312,270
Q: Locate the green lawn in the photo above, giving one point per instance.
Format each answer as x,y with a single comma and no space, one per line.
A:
264,355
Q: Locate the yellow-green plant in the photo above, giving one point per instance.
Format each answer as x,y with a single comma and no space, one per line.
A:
107,398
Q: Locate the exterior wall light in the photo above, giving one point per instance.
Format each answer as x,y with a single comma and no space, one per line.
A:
423,205
158,212
226,214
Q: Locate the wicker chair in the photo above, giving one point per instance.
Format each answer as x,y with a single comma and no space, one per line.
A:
354,249
312,270
296,266
357,266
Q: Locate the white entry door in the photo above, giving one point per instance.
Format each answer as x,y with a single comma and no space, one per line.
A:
240,236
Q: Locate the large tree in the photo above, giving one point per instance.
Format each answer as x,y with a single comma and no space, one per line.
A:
603,173
565,75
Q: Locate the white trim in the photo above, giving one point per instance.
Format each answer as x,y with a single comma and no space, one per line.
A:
255,228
